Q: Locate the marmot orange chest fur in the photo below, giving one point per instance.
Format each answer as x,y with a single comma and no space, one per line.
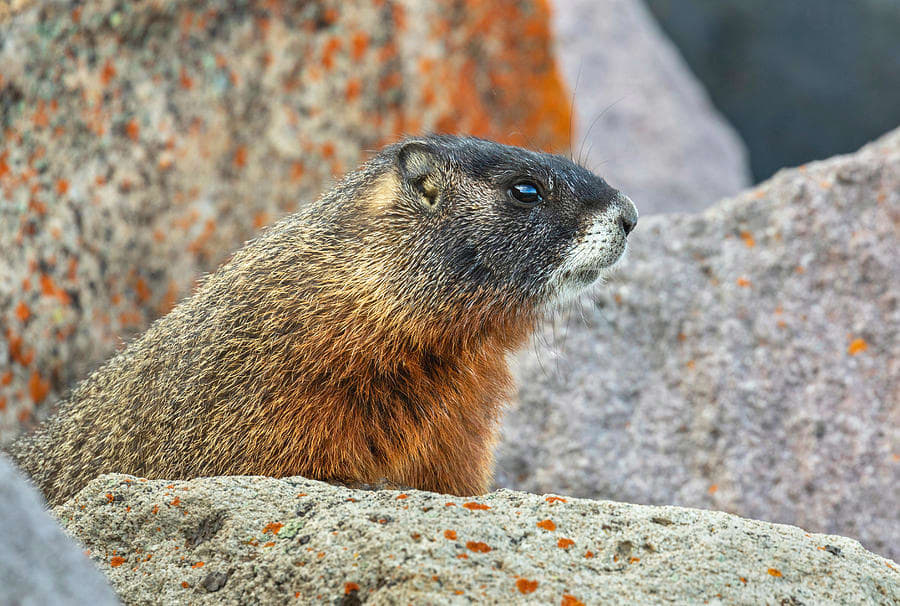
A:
360,340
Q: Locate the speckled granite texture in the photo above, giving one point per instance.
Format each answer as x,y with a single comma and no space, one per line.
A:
252,540
745,359
142,141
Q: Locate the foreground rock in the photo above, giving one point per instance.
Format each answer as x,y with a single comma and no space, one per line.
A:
746,359
39,564
142,142
642,118
249,540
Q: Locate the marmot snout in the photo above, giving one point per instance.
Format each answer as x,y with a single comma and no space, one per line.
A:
359,340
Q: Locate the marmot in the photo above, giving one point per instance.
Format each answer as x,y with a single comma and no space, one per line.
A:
360,340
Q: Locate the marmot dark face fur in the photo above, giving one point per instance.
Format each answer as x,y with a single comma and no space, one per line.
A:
360,340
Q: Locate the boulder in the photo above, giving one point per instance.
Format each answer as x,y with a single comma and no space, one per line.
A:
642,119
39,564
254,540
144,141
745,359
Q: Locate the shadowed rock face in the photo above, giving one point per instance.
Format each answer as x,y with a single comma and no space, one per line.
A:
241,540
144,141
641,117
745,359
39,564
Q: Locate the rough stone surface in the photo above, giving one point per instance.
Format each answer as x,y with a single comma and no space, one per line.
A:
253,540
141,142
39,564
745,359
642,117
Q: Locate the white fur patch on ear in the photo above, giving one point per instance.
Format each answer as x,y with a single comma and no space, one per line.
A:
592,256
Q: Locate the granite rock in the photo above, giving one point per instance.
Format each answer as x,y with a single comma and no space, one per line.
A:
39,564
745,359
641,116
254,540
143,141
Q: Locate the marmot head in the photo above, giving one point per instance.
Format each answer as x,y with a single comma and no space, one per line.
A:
470,222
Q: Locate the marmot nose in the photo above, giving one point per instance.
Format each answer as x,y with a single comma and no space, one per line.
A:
628,214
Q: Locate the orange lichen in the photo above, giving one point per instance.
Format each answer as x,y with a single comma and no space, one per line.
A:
240,156
108,72
358,45
350,588
555,499
22,311
185,80
450,534
743,282
175,502
402,496
857,346
132,130
588,554
185,584
565,543
116,561
478,546
197,565
354,87
155,509
712,488
570,600
526,586
546,525
62,186
748,239
462,556
38,388
633,559
272,544
774,572
273,527
475,506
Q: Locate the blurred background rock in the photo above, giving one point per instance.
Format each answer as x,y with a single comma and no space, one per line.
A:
800,80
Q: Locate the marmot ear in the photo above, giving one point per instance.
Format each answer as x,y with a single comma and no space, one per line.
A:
419,165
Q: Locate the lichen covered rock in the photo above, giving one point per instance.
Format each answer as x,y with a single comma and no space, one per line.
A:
745,359
253,540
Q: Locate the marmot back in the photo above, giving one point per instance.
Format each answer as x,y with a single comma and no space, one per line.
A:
360,340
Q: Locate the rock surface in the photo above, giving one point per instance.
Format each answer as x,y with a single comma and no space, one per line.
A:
144,141
244,540
643,120
39,564
745,359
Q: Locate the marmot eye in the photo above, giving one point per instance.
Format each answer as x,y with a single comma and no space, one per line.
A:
525,193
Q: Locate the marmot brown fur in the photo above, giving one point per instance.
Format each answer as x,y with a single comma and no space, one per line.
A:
360,340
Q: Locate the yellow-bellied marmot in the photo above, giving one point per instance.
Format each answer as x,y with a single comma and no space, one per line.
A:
360,340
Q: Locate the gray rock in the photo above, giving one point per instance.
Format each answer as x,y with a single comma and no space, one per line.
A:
39,564
253,540
745,359
642,117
